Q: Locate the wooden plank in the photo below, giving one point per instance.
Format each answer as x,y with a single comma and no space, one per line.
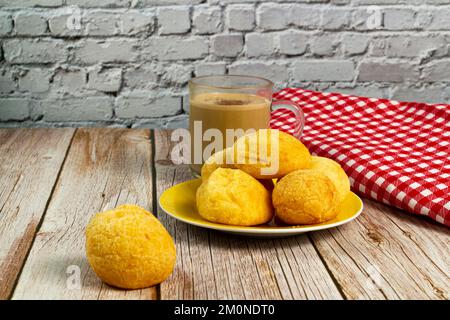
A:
30,160
388,254
104,168
213,265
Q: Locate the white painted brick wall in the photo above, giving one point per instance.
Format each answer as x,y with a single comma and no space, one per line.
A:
226,45
127,62
207,20
174,20
105,80
241,17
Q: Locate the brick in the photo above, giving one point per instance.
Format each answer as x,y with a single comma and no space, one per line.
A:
179,121
227,45
388,72
172,122
425,93
77,109
99,4
335,19
35,80
30,24
6,23
105,79
323,70
293,43
368,2
260,44
207,21
72,80
399,19
241,17
272,71
177,74
34,51
172,48
439,19
272,16
416,46
140,105
367,19
108,23
173,20
305,17
232,1
364,90
437,71
423,19
354,44
92,51
7,81
324,45
446,95
377,47
137,23
14,109
46,3
437,1
142,77
340,2
66,22
101,24
30,3
278,1
209,69
150,3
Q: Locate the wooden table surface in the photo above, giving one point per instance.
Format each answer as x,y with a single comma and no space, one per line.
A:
53,180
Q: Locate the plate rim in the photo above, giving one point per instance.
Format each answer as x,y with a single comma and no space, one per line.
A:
256,230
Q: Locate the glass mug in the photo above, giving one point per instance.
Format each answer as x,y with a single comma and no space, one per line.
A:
231,102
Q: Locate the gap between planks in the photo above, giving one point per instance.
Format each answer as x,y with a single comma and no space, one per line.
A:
43,214
104,167
35,155
154,193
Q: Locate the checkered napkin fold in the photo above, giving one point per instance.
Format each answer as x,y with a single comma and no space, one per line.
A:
394,152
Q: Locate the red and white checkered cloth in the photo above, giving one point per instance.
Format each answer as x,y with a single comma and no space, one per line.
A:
394,152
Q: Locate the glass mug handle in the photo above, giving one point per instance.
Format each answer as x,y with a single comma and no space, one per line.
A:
295,108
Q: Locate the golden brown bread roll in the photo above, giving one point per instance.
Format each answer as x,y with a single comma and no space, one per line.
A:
233,197
334,171
217,160
269,154
305,197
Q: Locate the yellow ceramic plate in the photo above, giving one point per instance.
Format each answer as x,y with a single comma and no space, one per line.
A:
179,202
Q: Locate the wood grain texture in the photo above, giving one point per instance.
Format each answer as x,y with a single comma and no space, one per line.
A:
384,254
30,160
213,265
104,168
388,254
